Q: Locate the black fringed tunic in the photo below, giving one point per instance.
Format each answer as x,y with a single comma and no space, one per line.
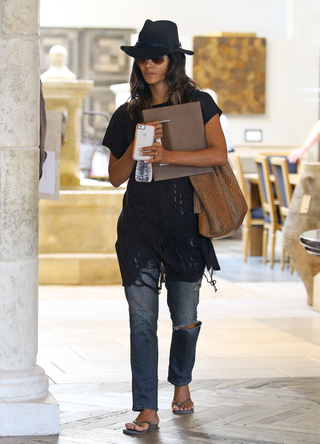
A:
157,222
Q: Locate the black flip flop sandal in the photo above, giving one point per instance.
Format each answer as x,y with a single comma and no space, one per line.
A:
136,432
181,412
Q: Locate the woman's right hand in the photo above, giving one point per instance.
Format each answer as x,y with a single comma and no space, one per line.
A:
120,169
157,128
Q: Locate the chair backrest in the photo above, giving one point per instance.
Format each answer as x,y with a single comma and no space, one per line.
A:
293,167
280,171
242,184
265,190
239,174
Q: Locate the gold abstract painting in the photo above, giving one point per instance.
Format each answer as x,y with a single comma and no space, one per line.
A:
234,67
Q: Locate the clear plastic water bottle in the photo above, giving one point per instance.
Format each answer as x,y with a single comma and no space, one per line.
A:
143,171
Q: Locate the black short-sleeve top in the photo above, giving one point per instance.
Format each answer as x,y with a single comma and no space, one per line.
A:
157,223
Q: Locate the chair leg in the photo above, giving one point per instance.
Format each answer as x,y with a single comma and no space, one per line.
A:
264,245
283,257
273,242
245,242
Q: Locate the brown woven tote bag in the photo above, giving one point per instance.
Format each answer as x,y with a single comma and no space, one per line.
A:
219,202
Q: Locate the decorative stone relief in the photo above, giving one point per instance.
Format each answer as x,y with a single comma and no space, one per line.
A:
93,54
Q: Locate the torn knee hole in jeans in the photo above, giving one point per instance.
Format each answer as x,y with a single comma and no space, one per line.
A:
183,327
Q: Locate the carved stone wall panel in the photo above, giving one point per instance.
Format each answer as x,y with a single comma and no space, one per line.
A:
234,67
67,37
101,100
93,54
101,58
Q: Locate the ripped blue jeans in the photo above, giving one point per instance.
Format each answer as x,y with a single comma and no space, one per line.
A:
143,300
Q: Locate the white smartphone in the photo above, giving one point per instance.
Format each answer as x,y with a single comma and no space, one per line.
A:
144,137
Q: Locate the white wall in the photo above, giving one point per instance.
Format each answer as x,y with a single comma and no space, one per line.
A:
267,17
292,29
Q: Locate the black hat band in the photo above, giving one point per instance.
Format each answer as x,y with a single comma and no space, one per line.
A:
156,45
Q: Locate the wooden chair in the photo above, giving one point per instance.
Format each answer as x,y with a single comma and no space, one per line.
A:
271,215
280,171
254,216
293,167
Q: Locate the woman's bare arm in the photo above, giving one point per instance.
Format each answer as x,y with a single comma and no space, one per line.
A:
120,169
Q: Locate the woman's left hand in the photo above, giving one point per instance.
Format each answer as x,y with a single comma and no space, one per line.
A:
157,153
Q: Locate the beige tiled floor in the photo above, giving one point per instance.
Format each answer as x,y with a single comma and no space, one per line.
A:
259,346
250,330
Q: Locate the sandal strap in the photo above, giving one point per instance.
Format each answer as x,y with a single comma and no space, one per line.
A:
181,403
142,422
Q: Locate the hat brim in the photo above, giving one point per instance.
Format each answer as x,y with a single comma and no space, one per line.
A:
151,53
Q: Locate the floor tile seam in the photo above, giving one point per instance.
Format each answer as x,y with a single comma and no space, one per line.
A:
245,354
254,369
267,362
261,331
254,383
68,370
259,340
262,344
257,358
266,412
313,359
88,371
304,431
265,439
222,437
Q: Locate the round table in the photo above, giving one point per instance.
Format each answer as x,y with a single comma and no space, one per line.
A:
311,241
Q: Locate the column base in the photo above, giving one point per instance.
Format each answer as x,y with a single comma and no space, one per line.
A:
26,406
23,385
36,417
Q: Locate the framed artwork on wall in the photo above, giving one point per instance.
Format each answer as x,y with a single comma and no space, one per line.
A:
234,67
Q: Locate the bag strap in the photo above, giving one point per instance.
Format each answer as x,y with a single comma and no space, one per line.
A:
196,204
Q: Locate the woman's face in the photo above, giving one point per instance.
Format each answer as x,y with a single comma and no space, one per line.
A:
153,73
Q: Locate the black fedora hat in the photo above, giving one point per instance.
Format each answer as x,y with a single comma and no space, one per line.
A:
156,39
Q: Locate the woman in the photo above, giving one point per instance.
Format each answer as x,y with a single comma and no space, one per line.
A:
158,238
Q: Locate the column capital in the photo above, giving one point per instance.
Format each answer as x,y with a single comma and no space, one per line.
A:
71,89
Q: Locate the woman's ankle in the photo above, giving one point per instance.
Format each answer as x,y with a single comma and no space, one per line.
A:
181,393
148,413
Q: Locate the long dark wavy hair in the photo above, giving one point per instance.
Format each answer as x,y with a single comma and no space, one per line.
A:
180,85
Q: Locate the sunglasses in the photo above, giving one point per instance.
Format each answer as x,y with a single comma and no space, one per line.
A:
156,61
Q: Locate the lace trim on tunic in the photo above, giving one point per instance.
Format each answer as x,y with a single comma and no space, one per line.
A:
141,282
209,278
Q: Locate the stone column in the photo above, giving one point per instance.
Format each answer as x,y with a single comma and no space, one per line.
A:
26,406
